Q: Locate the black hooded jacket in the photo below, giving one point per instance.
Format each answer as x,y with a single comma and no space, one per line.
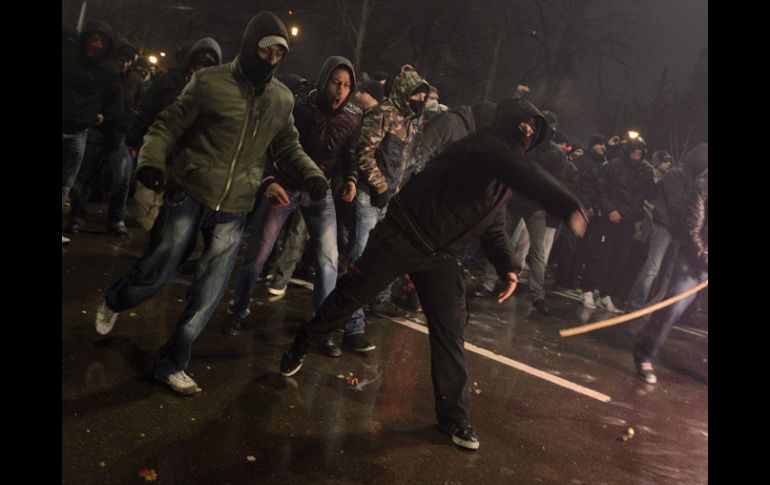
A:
83,80
588,166
328,137
449,126
674,189
122,96
696,246
624,185
164,88
462,193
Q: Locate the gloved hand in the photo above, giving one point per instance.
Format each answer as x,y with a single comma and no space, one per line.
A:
316,187
152,178
380,200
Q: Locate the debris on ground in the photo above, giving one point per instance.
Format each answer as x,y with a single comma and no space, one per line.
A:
148,474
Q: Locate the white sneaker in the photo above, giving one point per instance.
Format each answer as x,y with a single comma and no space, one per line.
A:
65,240
105,319
179,382
606,303
588,299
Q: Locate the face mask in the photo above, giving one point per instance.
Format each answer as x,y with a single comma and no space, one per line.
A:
258,70
416,106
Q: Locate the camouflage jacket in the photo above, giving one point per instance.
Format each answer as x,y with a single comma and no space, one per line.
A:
383,151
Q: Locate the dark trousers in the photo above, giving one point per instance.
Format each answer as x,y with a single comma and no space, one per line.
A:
618,239
439,283
686,275
588,258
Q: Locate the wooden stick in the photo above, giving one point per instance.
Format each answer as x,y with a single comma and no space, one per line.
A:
630,316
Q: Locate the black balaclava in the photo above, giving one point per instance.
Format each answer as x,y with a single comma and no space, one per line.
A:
512,111
263,24
418,106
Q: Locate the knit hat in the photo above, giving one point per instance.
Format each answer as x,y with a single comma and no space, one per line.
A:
373,88
597,139
271,40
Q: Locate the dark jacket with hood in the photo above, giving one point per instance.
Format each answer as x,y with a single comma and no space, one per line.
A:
327,136
447,127
122,96
696,245
83,80
384,148
461,195
674,189
624,185
164,88
214,141
588,166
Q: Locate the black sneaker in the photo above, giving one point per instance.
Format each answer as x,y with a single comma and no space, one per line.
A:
118,229
277,287
233,326
73,228
541,306
358,342
292,359
462,435
389,309
328,347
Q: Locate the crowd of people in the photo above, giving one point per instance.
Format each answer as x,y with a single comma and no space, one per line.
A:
390,188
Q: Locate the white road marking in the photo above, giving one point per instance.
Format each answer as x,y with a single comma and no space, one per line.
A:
512,363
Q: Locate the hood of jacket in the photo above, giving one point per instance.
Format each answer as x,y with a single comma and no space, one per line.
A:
263,24
97,26
328,67
512,111
206,43
403,86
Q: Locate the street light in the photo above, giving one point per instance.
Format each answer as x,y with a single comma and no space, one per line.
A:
162,54
294,31
632,135
153,59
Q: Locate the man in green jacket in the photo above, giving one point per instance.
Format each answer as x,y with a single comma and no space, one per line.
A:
217,137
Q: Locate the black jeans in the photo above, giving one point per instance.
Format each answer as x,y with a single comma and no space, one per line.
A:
441,289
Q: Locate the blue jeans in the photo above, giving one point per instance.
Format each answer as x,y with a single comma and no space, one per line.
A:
660,242
178,223
73,146
655,333
266,223
367,216
101,149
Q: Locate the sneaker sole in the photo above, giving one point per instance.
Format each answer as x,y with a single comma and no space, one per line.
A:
276,292
363,350
468,445
293,371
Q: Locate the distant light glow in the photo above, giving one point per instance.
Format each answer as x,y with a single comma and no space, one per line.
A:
632,135
294,31
162,54
153,59
291,12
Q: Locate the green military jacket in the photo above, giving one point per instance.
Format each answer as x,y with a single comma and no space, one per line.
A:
215,140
